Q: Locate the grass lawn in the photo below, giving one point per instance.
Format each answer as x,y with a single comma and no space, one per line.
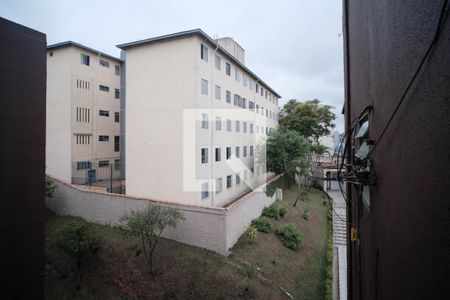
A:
118,269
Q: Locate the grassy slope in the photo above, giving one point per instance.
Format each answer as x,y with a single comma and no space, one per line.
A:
118,271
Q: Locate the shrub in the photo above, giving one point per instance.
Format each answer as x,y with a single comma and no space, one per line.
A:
282,211
250,233
273,211
50,187
289,235
148,224
306,214
262,224
77,239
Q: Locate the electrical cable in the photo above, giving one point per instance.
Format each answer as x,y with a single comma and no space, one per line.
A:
433,43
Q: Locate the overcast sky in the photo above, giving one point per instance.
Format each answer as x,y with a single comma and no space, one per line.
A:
294,46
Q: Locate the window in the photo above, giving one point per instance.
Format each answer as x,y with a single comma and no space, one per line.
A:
238,178
262,110
204,53
244,127
103,88
251,150
244,103
238,125
251,105
116,117
245,151
218,154
205,121
103,138
205,190
83,139
257,88
117,70
85,59
204,87
250,84
103,163
237,100
266,94
228,125
103,113
238,154
217,62
84,165
257,108
104,63
228,97
83,114
262,91
204,155
267,113
217,92
117,93
244,80
229,181
228,152
228,69
218,185
117,164
218,123
116,143
251,127
237,74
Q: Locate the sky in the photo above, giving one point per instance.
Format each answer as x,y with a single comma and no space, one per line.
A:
295,46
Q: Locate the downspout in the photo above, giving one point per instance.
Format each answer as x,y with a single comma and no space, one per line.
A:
213,124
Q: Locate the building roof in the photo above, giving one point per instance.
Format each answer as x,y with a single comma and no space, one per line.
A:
202,34
70,43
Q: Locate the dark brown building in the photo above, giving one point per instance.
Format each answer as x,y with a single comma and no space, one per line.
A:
397,69
22,150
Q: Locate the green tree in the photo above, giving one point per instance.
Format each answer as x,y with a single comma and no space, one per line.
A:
77,239
310,118
284,149
148,224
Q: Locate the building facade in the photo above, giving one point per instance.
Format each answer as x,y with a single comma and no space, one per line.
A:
195,115
397,71
22,123
83,113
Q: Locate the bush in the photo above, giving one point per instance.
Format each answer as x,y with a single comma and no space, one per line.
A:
289,235
273,211
262,224
50,187
306,214
282,211
250,233
77,239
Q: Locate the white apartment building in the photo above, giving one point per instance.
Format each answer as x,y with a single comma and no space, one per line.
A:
170,157
83,112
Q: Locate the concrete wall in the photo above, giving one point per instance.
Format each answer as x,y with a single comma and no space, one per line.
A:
216,229
403,238
22,146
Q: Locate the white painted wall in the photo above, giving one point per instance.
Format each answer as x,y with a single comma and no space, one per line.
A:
216,229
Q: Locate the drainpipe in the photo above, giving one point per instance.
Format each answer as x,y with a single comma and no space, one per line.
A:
213,123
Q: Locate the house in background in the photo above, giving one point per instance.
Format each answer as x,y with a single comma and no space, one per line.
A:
170,76
83,113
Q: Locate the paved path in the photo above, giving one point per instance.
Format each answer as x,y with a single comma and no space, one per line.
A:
339,243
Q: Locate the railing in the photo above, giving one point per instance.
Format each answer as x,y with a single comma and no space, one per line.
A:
104,175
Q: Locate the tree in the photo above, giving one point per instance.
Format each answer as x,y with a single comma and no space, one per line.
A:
310,118
148,224
287,152
78,240
283,148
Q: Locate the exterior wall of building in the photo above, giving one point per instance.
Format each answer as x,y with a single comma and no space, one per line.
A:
216,229
164,80
74,102
401,250
22,179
